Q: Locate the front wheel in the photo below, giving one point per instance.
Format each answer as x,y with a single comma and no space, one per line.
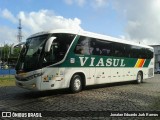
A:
139,78
76,84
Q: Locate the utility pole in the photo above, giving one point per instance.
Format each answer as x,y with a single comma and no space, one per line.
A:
19,36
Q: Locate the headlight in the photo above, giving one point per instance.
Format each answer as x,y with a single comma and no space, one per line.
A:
34,76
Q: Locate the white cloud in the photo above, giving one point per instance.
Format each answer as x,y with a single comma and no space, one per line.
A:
8,15
78,2
99,3
94,3
7,35
69,2
143,20
33,22
47,20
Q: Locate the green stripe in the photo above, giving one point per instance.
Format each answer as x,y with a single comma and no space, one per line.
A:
123,62
147,62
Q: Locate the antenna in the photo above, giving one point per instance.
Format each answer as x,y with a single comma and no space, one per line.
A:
19,36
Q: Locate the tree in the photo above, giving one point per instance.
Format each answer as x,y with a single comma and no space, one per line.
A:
6,56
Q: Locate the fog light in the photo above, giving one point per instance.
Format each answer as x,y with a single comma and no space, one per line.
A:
33,85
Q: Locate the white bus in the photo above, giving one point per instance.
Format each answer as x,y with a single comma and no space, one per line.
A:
75,59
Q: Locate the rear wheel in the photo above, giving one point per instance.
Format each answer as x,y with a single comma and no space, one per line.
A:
139,78
76,84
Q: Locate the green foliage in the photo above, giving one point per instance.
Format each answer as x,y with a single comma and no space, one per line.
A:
15,53
5,53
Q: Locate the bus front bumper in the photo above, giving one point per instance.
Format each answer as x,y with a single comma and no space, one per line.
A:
31,84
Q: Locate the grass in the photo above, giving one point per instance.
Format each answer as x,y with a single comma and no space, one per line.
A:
7,80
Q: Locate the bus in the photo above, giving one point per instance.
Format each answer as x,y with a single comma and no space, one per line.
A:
73,59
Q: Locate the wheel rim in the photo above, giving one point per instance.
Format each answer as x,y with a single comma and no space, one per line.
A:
77,84
139,78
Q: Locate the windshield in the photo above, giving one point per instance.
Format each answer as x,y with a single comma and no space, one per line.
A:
33,57
31,52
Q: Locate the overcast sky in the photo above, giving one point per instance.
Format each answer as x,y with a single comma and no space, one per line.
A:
133,20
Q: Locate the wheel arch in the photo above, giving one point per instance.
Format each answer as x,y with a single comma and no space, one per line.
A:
140,71
139,78
83,78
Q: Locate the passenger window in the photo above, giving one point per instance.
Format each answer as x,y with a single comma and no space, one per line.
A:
93,46
82,46
102,47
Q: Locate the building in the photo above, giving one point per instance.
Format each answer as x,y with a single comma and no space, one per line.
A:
157,56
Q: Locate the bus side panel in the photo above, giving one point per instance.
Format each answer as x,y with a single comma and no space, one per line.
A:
129,74
70,71
102,75
117,74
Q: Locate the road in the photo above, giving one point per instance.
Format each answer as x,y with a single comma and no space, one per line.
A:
111,97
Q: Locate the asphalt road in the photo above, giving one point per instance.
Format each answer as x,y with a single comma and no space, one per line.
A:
110,97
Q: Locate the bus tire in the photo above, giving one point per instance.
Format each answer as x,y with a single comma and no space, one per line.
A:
76,83
139,78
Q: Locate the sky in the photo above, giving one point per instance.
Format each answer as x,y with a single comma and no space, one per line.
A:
133,20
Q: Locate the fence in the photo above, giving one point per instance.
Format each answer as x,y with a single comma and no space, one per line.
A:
7,71
7,77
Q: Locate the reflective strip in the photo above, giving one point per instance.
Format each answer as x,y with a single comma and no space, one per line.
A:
140,63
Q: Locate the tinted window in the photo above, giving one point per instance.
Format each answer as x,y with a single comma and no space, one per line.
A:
119,49
93,46
83,46
101,47
140,52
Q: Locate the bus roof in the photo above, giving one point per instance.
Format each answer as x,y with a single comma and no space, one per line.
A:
91,34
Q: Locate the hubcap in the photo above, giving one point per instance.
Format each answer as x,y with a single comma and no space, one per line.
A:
77,84
139,78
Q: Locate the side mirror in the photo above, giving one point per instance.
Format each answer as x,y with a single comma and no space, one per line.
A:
21,44
49,43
